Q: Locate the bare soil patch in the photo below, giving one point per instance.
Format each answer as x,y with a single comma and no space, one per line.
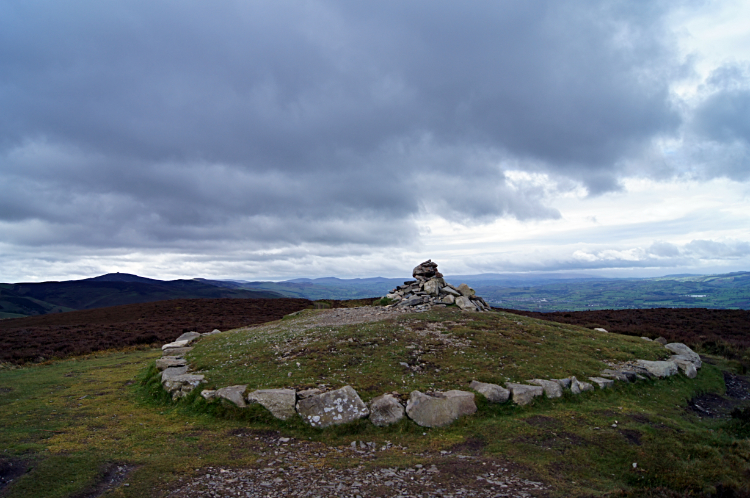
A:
10,470
73,333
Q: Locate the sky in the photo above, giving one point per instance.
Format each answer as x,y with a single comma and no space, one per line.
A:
271,140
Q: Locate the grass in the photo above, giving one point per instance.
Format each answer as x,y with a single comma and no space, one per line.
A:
70,419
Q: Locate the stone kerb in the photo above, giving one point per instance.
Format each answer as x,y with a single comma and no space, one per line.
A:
322,409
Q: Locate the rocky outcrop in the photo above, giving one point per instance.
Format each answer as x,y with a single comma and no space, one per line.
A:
386,410
493,392
439,409
280,402
429,289
685,352
660,369
332,408
523,394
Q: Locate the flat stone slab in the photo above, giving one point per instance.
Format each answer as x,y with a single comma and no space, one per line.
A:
175,344
233,394
280,402
181,385
524,394
332,408
178,352
173,372
493,392
439,409
679,348
552,388
189,337
602,382
660,369
170,361
385,410
621,375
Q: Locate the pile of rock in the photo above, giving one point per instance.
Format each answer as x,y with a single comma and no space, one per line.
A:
175,371
429,289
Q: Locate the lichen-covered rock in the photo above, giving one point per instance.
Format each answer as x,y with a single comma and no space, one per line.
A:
233,394
685,365
552,388
439,409
178,352
208,394
577,386
493,392
180,385
680,349
280,402
385,410
170,361
173,372
465,290
660,369
465,303
332,408
523,394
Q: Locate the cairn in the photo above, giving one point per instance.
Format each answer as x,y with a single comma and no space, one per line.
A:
430,290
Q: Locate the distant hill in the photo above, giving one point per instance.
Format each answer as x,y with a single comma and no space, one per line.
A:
30,299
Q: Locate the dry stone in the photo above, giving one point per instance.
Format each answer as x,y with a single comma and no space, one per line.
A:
234,394
524,394
180,385
208,394
552,388
280,402
679,348
385,410
493,392
601,382
332,408
439,409
188,337
685,365
577,386
170,361
426,271
178,352
173,372
465,303
621,375
660,369
599,329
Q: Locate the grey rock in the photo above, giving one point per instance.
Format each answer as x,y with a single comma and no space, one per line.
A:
332,408
660,369
523,394
685,365
188,337
646,338
216,331
448,289
175,344
176,352
173,372
465,290
433,286
306,393
280,402
601,382
448,299
234,394
439,409
620,375
170,361
599,329
181,385
564,383
679,348
385,410
493,392
208,394
661,341
577,386
552,388
465,303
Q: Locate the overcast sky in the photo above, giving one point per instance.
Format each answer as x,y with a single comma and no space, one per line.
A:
258,140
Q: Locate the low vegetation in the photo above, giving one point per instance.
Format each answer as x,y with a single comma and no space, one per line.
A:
70,422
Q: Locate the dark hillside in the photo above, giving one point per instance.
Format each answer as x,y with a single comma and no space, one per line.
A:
80,332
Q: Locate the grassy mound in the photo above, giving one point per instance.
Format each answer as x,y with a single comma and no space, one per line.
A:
439,350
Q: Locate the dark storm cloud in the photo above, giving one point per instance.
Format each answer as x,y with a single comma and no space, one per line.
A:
140,123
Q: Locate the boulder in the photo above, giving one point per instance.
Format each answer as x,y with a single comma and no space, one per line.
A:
661,341
385,410
601,382
577,386
170,361
177,352
552,388
188,337
448,289
280,402
679,348
332,408
465,290
493,392
234,394
685,365
465,303
439,409
448,299
660,369
433,286
180,385
524,394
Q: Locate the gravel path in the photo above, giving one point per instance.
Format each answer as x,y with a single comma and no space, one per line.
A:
288,467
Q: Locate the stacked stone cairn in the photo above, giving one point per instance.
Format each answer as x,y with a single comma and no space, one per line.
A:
429,289
323,407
